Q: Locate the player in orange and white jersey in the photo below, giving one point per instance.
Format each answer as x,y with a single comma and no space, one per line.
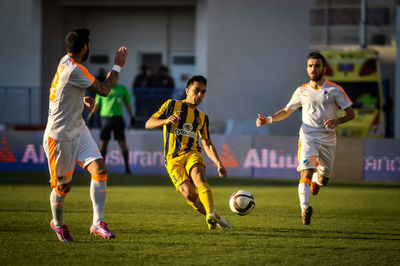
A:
319,100
67,140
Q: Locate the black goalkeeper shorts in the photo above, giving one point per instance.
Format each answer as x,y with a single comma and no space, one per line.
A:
115,124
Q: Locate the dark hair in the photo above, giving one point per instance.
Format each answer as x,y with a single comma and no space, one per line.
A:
76,40
199,79
315,55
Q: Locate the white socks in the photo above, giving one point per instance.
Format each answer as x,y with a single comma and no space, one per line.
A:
98,193
57,205
304,195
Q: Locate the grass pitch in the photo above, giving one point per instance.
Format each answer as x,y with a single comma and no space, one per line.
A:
354,223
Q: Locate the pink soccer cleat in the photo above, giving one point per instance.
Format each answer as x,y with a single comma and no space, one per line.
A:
102,230
62,232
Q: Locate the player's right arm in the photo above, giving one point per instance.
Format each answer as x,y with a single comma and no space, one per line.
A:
163,116
278,116
154,123
103,88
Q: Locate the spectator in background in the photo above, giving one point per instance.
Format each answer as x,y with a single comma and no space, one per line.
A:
112,119
142,80
102,75
94,121
162,79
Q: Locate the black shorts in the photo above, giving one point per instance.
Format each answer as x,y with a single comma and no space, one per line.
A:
115,124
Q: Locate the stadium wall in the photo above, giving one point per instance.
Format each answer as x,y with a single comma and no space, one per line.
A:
20,52
251,156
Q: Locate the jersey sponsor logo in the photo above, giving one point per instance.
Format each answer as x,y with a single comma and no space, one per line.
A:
6,155
327,94
311,161
187,130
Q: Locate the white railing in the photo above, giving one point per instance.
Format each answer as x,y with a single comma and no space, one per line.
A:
20,105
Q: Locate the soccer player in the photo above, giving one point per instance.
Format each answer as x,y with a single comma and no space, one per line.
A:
183,123
112,119
67,140
319,100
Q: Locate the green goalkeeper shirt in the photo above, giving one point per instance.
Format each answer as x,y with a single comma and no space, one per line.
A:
113,104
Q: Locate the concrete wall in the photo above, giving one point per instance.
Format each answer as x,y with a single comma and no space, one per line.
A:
254,57
20,55
140,29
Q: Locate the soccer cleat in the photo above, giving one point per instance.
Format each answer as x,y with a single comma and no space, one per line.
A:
221,222
102,230
306,215
211,221
62,232
314,188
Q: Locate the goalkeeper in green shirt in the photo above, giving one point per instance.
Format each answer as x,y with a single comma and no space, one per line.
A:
112,119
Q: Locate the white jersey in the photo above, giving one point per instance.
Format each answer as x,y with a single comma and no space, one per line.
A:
318,105
66,99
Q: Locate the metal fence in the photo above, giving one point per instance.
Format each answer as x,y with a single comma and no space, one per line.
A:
20,105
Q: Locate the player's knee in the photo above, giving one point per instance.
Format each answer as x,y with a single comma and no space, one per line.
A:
307,173
64,188
97,167
323,175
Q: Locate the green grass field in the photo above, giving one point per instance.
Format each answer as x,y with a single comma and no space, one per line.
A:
354,223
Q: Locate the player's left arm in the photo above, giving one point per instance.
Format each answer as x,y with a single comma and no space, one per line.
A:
334,122
103,88
89,102
212,153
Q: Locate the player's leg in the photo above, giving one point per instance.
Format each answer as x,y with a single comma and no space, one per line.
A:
105,135
180,179
304,191
197,170
326,160
197,174
119,135
94,163
188,190
308,163
61,165
103,147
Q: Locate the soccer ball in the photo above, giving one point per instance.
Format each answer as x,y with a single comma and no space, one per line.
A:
242,202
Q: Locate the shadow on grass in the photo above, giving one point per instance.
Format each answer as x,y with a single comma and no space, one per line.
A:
83,179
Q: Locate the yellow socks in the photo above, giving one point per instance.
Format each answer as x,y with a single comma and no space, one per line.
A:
197,206
206,197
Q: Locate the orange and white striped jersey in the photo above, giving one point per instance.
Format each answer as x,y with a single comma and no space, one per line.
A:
319,104
66,99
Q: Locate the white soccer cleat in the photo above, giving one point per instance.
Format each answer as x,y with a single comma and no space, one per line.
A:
221,222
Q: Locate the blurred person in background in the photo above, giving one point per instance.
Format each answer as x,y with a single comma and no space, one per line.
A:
112,119
142,80
162,79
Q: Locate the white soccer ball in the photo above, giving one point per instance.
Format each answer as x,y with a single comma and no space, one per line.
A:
242,202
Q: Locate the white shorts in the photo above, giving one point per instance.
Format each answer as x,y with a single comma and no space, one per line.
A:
312,155
62,156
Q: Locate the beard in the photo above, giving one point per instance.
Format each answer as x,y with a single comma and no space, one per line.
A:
85,56
317,78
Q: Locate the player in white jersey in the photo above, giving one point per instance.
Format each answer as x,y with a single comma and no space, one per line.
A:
319,100
67,140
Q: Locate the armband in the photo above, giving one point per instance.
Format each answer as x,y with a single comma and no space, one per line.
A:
116,68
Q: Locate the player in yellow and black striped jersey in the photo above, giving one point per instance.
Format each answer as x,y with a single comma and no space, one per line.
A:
183,125
182,138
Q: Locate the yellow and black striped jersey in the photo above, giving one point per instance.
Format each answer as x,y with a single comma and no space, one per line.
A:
182,138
